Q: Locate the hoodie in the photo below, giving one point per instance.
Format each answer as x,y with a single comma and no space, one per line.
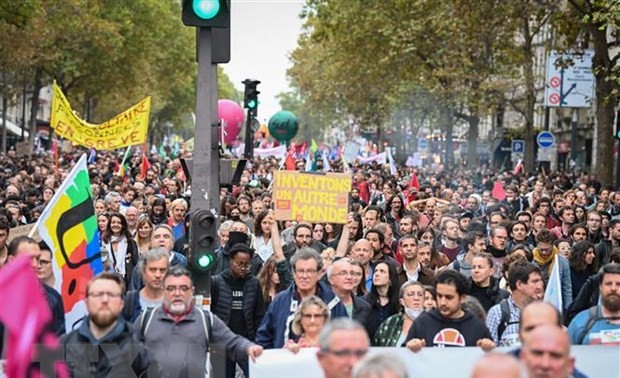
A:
441,332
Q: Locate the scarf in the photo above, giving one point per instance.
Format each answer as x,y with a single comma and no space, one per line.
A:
117,256
542,261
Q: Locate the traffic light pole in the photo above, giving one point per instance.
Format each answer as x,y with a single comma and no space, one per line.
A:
205,176
249,136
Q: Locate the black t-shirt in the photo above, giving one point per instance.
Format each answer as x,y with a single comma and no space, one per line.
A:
441,332
237,320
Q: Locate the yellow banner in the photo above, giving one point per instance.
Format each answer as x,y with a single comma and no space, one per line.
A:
125,129
311,197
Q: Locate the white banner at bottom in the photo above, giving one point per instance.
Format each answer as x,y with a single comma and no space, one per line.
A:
594,361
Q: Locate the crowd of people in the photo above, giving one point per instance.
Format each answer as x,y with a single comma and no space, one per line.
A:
424,258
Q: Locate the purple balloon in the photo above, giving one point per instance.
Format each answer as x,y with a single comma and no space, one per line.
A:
232,116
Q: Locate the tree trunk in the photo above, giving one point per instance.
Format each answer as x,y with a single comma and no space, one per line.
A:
449,159
529,158
34,108
605,86
473,158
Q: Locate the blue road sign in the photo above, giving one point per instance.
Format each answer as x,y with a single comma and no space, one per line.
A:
518,146
545,139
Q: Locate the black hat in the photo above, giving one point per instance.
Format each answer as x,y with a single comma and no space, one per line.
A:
241,247
466,214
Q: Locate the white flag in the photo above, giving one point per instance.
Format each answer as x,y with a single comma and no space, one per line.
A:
553,293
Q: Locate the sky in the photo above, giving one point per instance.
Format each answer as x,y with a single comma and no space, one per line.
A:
263,34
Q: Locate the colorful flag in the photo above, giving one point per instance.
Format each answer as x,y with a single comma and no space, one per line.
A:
144,165
25,313
498,191
553,293
393,168
123,167
69,226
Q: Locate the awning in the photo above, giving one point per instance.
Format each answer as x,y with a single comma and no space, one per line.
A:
13,128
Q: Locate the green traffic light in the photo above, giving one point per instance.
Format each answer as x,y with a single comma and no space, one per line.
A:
251,104
206,9
204,261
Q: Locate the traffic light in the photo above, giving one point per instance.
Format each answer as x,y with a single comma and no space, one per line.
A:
250,95
203,231
206,13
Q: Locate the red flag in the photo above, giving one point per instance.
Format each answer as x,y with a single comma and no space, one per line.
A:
144,165
25,313
289,162
498,191
414,183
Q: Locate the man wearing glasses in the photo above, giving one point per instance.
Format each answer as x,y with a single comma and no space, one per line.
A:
106,345
274,330
342,343
340,275
179,335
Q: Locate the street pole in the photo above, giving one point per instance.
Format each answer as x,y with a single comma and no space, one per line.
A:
205,175
573,136
249,136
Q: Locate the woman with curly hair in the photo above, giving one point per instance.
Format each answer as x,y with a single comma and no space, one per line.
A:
583,264
394,211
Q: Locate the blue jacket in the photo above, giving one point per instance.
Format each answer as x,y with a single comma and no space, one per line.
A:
274,330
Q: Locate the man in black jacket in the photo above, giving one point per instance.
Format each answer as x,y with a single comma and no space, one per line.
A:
236,298
105,345
449,324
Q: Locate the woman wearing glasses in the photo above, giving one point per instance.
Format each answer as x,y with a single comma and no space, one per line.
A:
237,299
308,322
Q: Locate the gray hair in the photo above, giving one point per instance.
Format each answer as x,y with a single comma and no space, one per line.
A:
330,269
376,366
307,253
153,254
406,285
225,226
338,324
312,300
110,195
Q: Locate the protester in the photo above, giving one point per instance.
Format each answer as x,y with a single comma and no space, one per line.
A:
178,335
380,366
393,331
105,343
153,265
311,316
342,343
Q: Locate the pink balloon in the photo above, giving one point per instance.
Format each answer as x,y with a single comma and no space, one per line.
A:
232,116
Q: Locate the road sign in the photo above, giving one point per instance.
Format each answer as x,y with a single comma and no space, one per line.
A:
518,146
422,144
545,139
569,81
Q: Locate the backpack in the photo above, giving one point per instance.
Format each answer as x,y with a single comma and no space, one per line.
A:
145,322
593,317
504,320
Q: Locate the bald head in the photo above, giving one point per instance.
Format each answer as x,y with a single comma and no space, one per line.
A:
493,365
546,353
362,251
537,314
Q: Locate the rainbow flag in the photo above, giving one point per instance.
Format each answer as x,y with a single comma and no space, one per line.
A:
69,226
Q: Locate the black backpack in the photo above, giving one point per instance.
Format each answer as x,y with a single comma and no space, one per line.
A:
504,321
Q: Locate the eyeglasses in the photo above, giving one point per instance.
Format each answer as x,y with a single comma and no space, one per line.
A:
241,265
344,273
302,272
43,263
173,289
347,352
313,316
101,294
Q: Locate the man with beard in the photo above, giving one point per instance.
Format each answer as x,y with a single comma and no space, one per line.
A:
600,324
448,324
179,335
498,238
243,203
371,217
376,238
302,234
105,345
408,225
450,238
412,269
355,197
